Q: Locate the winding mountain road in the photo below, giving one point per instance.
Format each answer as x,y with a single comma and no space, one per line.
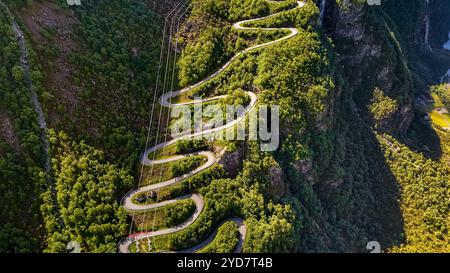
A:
212,158
242,229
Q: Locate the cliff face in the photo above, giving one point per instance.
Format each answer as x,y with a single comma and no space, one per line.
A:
347,185
421,27
371,57
439,35
349,192
439,22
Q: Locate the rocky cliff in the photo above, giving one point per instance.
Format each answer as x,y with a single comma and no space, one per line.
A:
370,53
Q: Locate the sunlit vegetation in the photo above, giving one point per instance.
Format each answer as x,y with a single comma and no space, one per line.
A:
239,74
218,42
165,217
186,186
220,201
86,210
161,172
437,109
335,183
295,17
225,241
424,197
277,70
443,95
382,107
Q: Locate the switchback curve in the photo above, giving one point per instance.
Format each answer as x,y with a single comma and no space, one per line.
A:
212,158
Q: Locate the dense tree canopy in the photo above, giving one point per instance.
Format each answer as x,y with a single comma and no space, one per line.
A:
335,183
20,150
87,210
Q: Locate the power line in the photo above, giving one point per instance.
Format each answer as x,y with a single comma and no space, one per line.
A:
155,94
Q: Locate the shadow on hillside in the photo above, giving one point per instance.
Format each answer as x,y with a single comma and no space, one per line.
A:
362,204
422,138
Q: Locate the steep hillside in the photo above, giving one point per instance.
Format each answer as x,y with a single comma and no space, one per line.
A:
100,63
385,63
360,157
21,152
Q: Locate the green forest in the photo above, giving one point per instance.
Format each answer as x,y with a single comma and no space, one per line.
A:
21,174
357,162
